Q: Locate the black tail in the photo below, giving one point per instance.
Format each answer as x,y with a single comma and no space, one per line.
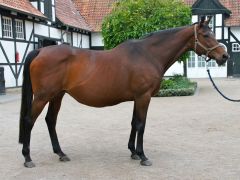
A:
27,94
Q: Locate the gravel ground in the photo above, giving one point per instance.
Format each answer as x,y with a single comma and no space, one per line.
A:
195,137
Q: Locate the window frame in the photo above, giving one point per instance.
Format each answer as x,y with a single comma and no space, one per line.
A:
235,47
7,29
21,28
192,60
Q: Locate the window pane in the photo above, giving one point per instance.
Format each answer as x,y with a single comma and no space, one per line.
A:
191,60
7,27
201,62
212,63
235,47
19,29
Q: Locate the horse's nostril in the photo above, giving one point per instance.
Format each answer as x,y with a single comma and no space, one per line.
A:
225,56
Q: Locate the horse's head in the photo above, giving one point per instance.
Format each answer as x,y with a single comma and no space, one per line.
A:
206,44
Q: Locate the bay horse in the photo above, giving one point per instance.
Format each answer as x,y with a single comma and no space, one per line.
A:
130,72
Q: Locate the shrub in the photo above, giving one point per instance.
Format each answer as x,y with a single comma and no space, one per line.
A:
177,86
132,19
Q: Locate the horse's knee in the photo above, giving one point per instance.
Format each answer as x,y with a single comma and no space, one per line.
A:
140,126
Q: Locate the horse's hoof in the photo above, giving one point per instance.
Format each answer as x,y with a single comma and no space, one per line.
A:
146,163
29,164
64,158
135,157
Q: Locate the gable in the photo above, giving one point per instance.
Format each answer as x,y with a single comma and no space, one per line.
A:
209,7
232,5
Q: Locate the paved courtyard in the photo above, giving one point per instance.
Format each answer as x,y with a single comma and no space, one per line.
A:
195,137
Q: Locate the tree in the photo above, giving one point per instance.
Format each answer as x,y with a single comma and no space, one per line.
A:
132,19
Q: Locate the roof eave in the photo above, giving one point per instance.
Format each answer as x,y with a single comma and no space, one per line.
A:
211,11
67,25
24,12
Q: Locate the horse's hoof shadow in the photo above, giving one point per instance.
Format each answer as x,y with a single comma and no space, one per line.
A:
135,157
146,163
64,159
29,164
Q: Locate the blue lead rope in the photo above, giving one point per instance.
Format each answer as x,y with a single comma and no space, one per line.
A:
214,85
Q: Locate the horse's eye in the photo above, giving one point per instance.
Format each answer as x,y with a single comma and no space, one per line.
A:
206,35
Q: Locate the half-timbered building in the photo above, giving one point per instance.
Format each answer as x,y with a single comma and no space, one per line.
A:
226,26
26,25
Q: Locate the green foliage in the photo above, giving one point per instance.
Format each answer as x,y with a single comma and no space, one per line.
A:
177,86
132,19
177,92
175,82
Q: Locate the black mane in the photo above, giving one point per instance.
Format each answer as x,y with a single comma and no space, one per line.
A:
163,32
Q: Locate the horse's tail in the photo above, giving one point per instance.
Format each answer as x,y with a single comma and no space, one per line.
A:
27,94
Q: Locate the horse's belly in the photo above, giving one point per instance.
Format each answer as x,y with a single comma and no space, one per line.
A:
98,97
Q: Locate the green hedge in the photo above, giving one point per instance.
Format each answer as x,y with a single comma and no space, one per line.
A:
177,86
177,92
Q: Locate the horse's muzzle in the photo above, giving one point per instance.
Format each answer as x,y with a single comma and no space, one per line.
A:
223,60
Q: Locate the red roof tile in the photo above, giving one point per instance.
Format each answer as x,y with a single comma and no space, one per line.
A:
232,5
23,6
67,13
94,11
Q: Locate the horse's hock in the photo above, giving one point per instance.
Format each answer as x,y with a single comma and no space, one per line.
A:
2,82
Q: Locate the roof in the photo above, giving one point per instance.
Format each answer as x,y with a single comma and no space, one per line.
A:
232,5
209,7
67,13
94,11
22,6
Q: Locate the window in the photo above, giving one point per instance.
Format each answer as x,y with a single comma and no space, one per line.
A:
212,63
7,27
235,47
19,29
191,60
201,61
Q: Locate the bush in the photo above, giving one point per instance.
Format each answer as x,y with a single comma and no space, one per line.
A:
177,86
132,19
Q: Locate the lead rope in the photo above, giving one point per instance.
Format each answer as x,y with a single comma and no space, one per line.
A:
215,86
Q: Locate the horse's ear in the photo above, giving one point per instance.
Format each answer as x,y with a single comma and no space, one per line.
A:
208,20
202,21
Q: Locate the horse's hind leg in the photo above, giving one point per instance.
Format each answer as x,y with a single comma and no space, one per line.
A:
51,119
37,107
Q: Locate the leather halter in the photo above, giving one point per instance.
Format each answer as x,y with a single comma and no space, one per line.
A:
197,42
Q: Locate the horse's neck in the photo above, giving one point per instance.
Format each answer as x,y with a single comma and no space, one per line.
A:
167,50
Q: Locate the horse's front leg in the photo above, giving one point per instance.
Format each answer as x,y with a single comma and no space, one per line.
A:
142,104
131,142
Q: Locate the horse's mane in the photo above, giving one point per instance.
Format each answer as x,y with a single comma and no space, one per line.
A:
163,32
